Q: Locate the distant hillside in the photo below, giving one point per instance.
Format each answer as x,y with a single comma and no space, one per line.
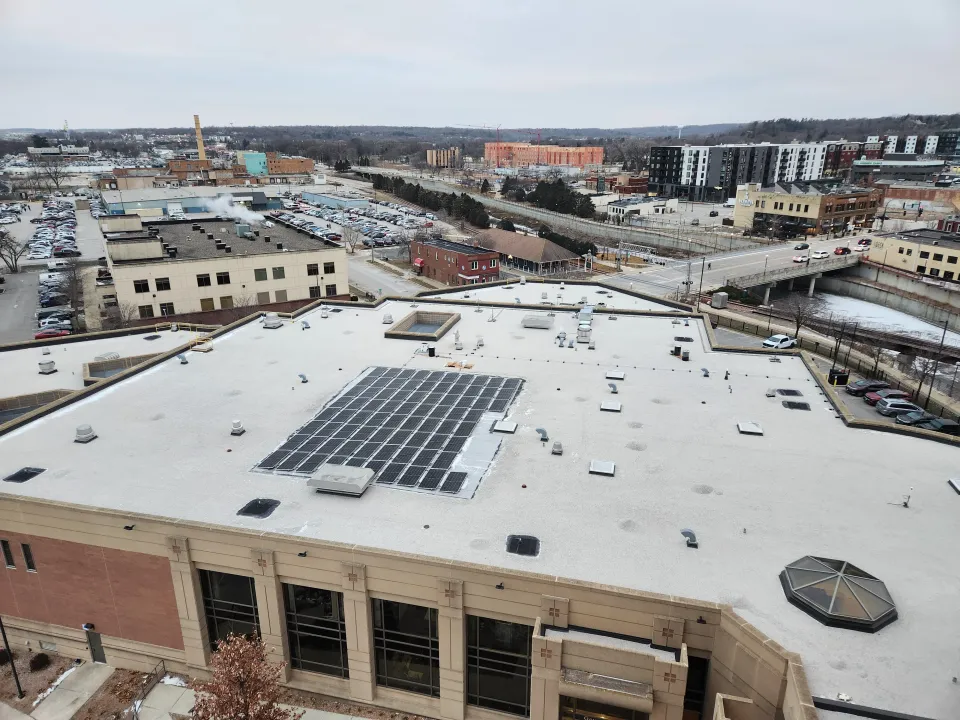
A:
812,130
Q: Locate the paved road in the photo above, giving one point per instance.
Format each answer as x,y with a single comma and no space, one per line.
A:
367,276
18,305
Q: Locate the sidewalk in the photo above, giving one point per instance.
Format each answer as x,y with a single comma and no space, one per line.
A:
66,698
166,699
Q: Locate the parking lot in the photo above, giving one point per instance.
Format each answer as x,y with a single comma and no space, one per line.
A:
89,240
18,305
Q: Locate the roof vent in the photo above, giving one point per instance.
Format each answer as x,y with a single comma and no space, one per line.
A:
47,367
503,426
603,467
526,545
227,249
85,434
543,434
557,449
259,508
691,537
341,479
237,428
786,392
615,375
272,321
324,312
749,428
611,406
24,474
794,405
107,356
387,319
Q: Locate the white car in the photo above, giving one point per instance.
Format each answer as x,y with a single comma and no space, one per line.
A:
801,258
780,342
820,255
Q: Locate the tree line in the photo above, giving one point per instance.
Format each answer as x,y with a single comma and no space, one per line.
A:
552,195
458,206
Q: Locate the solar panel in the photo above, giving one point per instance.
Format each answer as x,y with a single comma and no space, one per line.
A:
311,463
292,460
473,415
363,433
411,477
425,457
444,460
356,462
406,454
374,465
429,425
454,482
380,435
431,480
446,427
366,450
400,436
312,444
464,428
349,447
418,439
337,459
456,443
499,406
273,459
386,452
411,423
435,443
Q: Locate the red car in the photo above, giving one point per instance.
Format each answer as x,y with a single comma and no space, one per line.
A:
871,398
842,250
44,334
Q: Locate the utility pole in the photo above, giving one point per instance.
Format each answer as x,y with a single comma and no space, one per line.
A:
936,364
703,263
13,666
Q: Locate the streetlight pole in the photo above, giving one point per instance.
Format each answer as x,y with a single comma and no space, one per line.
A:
954,381
13,666
766,259
703,262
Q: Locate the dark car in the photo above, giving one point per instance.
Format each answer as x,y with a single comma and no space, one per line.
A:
714,213
861,387
44,334
802,246
912,418
53,300
948,427
842,250
873,396
66,252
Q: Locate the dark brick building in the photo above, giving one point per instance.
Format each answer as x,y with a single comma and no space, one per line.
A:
454,263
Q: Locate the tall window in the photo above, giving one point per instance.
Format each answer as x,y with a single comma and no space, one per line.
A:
230,604
28,557
167,309
315,291
141,286
329,268
317,632
163,284
407,647
223,278
7,554
203,280
313,269
330,290
498,665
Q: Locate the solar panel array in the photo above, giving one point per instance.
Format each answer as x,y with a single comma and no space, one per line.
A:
406,425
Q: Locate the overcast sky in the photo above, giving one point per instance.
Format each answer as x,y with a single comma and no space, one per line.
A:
515,63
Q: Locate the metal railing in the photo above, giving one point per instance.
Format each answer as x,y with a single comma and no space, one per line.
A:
798,270
151,681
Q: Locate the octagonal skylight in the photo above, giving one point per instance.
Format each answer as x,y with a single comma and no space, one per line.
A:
838,593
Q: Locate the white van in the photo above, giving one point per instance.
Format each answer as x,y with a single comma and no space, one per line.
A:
58,264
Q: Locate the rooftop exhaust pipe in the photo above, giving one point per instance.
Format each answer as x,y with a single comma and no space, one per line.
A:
237,428
303,378
691,537
85,434
272,321
183,359
543,434
47,367
613,388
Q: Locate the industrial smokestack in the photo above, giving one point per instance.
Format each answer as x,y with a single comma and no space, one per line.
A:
201,153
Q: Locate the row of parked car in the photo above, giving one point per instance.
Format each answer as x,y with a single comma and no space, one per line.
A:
898,404
55,317
96,208
11,213
56,235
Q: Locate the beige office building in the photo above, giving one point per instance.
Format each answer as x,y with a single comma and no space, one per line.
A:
486,531
935,254
171,268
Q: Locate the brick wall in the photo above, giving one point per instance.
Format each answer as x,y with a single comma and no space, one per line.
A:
124,594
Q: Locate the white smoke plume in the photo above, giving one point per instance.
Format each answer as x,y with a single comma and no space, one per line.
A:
224,206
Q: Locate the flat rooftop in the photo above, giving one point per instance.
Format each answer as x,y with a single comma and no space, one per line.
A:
20,368
562,294
808,486
456,247
195,245
928,236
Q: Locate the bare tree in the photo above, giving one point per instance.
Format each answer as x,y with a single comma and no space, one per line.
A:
242,306
801,309
350,238
11,250
244,684
874,352
53,171
71,283
122,315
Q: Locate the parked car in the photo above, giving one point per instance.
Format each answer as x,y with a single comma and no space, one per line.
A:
714,213
51,333
801,258
842,250
802,246
895,407
820,254
912,418
780,342
949,427
875,396
861,387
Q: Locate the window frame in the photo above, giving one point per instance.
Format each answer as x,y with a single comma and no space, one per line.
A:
145,315
28,560
424,647
497,661
299,625
165,281
203,280
141,286
315,292
329,268
329,290
215,609
313,269
279,273
257,274
220,277
8,555
163,308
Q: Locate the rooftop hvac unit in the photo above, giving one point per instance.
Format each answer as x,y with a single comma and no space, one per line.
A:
341,480
586,314
541,322
583,334
47,367
719,300
272,321
243,229
107,356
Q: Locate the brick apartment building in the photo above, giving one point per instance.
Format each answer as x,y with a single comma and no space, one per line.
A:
519,154
283,165
454,263
624,184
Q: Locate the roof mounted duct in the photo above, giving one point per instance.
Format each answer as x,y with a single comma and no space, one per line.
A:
272,321
341,480
47,367
85,434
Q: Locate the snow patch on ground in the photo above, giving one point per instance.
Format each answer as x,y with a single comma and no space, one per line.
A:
173,680
53,685
878,316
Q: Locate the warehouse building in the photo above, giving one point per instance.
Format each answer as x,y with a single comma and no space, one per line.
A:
172,268
486,532
155,202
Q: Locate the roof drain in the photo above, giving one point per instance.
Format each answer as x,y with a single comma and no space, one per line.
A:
259,508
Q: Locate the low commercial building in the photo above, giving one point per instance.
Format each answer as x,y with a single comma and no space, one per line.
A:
177,267
924,251
137,179
520,154
867,172
528,253
621,184
791,209
931,196
454,263
485,532
335,201
443,157
622,211
154,202
73,152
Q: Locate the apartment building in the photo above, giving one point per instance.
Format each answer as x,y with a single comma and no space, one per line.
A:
504,542
170,268
454,263
443,157
787,210
521,154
